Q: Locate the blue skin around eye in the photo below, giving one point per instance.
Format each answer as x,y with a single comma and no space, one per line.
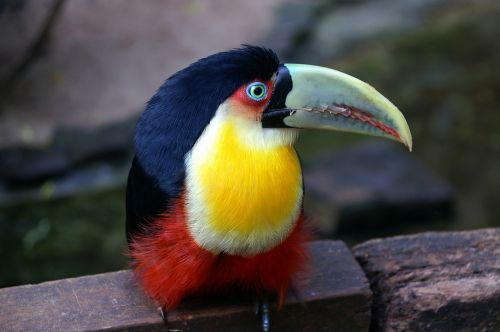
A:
257,84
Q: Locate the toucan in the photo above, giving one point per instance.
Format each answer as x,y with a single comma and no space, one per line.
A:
214,198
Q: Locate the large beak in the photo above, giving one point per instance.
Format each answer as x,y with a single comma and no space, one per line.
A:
315,97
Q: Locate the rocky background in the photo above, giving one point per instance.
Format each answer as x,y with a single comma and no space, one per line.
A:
76,74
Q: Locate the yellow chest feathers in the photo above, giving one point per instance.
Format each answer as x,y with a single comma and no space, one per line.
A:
244,186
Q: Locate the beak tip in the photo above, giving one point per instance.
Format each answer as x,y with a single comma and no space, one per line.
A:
404,132
408,143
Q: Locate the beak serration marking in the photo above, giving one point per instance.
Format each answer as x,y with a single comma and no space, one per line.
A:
353,113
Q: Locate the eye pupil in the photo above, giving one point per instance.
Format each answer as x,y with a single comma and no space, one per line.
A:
257,91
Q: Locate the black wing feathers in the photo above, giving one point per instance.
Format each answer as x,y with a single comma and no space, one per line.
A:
144,199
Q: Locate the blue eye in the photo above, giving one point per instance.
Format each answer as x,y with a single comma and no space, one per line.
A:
257,91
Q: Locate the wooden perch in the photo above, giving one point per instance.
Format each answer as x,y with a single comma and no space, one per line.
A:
336,298
446,281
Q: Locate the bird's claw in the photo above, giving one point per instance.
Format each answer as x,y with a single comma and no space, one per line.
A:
266,323
164,315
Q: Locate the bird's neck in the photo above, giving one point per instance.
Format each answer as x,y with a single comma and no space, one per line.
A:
244,186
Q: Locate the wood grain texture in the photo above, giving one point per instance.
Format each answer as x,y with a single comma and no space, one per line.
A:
336,297
447,281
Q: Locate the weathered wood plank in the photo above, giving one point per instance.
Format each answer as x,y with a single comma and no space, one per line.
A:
337,297
446,281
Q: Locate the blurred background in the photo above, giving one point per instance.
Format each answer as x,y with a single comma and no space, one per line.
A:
75,75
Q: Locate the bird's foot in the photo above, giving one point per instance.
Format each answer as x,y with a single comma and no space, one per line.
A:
262,309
